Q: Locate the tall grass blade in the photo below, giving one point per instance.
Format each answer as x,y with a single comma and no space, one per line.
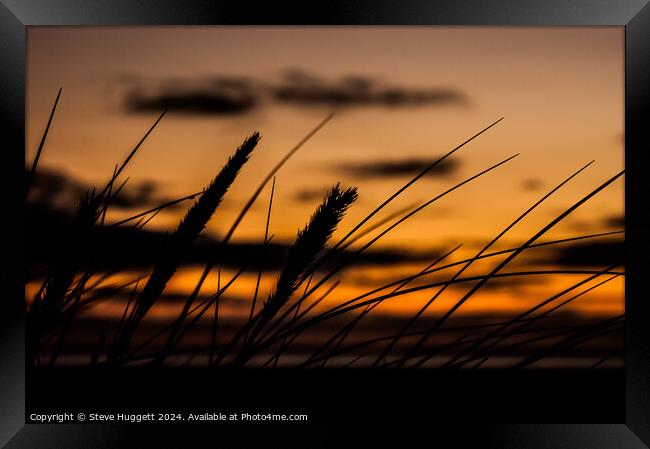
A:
530,241
210,265
478,254
128,158
188,230
397,223
309,243
39,150
266,240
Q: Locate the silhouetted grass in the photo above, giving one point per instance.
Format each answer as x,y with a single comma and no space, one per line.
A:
339,267
302,254
532,320
273,329
39,150
52,309
179,243
473,259
259,273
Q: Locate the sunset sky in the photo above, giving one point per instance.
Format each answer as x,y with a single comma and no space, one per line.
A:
401,97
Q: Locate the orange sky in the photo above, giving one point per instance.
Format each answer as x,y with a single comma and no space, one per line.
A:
559,89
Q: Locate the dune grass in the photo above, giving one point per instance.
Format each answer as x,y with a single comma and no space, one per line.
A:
275,327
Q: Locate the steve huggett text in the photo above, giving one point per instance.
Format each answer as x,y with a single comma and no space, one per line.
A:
153,416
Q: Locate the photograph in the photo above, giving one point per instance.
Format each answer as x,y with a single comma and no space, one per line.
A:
385,198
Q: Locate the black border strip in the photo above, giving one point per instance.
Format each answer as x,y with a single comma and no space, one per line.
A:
637,223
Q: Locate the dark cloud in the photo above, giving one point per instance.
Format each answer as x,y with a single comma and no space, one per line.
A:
216,96
306,89
239,95
614,221
310,195
592,254
398,167
532,184
49,233
509,284
55,189
513,283
145,194
580,226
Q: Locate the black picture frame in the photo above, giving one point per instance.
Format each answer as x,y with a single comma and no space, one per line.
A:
634,15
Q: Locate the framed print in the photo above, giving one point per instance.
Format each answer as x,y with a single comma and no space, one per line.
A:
263,221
